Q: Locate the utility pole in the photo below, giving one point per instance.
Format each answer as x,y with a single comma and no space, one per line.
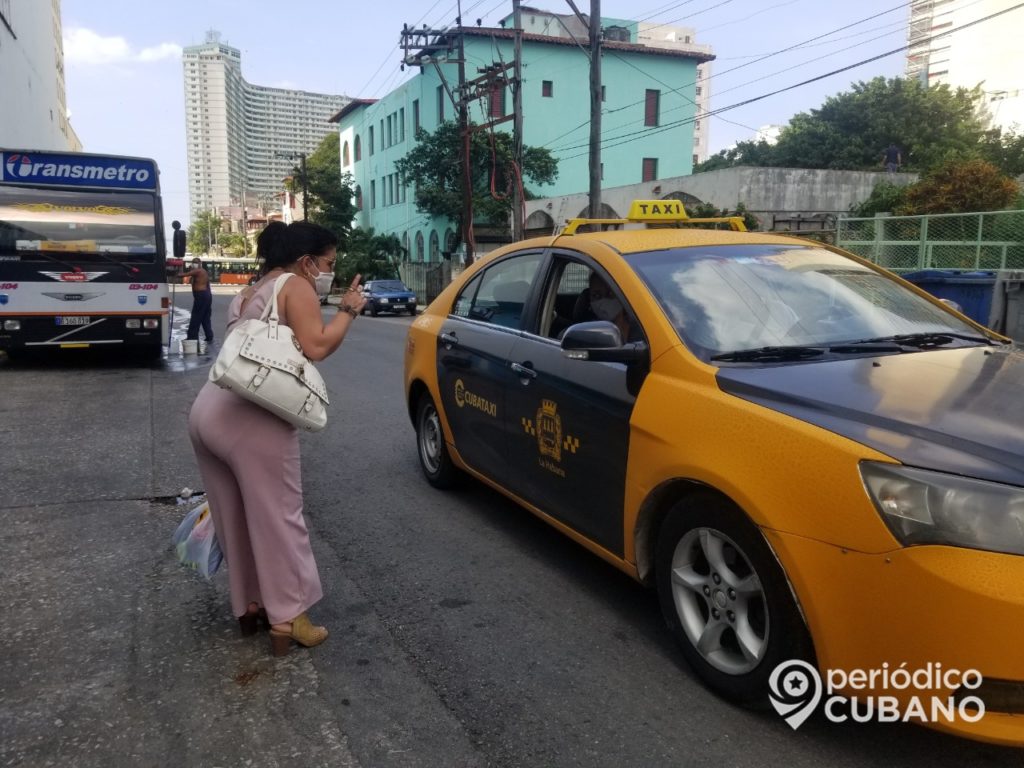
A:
426,46
467,174
301,157
595,109
245,227
305,188
594,25
517,124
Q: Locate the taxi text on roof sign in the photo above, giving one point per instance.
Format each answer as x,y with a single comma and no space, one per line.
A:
77,170
653,212
657,210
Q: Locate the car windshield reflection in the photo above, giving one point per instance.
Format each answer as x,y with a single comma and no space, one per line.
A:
727,299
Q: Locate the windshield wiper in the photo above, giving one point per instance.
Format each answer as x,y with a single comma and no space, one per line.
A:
128,267
51,257
921,340
769,354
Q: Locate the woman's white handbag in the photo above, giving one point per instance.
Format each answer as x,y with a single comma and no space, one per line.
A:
261,360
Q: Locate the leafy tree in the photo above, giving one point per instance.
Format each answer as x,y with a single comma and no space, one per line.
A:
852,129
232,243
1004,150
886,197
435,167
964,187
205,230
709,211
372,255
329,196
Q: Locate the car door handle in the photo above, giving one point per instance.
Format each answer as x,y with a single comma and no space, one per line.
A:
524,370
449,338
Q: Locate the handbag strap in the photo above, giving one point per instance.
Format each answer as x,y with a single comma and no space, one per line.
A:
270,311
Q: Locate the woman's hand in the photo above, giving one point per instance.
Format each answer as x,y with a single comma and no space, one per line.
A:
353,300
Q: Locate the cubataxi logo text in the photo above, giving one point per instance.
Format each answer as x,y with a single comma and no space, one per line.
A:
886,694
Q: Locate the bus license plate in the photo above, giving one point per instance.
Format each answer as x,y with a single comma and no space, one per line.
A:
73,320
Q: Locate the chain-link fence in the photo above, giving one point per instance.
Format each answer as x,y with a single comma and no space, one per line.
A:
993,240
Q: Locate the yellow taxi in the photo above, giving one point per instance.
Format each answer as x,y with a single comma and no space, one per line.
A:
810,459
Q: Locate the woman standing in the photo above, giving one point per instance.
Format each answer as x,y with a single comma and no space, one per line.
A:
249,458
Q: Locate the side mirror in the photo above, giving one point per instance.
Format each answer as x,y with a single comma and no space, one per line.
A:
600,340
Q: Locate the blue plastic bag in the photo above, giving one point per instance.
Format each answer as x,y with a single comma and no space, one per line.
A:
195,542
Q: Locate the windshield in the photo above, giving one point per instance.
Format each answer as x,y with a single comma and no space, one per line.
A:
77,226
388,285
724,299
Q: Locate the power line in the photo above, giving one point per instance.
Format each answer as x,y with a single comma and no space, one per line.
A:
663,9
619,140
675,90
705,30
718,74
690,15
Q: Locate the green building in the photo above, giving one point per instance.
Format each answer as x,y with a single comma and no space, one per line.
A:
650,94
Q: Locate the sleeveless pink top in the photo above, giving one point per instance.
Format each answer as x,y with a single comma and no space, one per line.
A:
259,295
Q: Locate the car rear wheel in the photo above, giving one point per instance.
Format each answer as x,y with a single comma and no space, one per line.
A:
726,599
435,460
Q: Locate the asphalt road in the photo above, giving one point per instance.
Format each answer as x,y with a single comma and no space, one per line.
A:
464,631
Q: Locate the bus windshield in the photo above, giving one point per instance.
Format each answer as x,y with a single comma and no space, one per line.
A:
79,226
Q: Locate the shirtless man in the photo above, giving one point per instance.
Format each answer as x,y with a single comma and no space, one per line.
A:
202,302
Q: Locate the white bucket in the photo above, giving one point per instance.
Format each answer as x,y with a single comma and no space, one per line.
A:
189,346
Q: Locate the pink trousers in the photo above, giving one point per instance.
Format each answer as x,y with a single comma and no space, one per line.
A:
249,462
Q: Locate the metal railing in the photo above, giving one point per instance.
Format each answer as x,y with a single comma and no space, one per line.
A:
986,241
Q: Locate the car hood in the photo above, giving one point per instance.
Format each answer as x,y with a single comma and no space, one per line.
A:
952,410
392,294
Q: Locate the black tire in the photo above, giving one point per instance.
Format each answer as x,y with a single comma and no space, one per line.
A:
762,610
431,448
373,310
412,311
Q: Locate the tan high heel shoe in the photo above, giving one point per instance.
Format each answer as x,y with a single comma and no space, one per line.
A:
302,632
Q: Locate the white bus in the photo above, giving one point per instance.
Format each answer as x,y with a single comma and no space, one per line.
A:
82,252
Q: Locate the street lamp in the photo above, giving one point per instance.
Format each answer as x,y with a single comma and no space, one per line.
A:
302,159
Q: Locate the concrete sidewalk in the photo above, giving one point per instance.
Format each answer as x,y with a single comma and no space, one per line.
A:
115,655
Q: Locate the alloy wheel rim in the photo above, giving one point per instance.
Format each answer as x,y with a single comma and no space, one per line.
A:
720,601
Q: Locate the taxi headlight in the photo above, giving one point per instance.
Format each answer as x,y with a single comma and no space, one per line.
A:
924,507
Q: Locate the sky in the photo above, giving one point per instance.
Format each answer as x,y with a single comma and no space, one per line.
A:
125,87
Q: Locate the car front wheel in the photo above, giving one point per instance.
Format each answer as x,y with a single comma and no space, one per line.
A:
726,598
435,460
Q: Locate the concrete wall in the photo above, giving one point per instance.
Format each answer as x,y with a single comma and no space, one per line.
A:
766,192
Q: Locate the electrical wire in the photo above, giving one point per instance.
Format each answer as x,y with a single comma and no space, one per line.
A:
619,140
719,74
689,15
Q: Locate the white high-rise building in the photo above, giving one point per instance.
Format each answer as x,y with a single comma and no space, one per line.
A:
988,54
242,139
34,112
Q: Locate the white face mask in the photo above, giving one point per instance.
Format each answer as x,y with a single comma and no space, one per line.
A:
606,309
322,282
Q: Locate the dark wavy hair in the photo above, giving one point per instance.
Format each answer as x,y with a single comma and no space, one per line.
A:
281,245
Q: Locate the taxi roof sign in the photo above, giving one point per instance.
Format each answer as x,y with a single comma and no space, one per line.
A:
657,212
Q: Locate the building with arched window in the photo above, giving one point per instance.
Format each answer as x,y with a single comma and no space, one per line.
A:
435,246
